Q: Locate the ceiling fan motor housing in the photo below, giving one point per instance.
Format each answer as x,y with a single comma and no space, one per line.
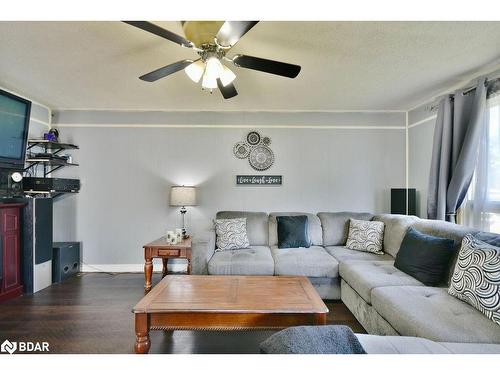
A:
209,50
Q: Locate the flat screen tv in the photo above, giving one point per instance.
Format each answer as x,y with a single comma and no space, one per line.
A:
14,122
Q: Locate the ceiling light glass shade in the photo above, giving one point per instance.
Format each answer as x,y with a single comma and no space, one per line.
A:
195,70
213,71
227,76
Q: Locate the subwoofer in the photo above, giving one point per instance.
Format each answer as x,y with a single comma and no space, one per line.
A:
65,261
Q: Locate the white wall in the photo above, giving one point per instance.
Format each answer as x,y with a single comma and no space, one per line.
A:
344,161
421,123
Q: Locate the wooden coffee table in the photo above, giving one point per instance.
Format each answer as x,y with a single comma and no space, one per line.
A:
205,302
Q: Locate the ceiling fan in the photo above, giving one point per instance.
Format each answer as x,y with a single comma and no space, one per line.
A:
212,49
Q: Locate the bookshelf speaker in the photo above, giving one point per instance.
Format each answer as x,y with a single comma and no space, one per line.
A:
398,201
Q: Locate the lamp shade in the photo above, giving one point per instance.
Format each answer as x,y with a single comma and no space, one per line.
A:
183,196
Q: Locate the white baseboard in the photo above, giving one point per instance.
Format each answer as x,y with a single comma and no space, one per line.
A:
175,267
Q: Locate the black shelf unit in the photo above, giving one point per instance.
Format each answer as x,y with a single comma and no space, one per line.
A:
54,164
55,147
52,194
50,165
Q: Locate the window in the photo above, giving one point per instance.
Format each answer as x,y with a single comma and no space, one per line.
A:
482,205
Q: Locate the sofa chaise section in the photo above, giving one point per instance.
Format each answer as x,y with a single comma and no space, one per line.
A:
387,301
432,313
365,276
374,344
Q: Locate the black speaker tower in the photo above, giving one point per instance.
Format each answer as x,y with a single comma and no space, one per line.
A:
398,201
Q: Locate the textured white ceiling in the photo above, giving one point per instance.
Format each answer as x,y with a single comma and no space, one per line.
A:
345,65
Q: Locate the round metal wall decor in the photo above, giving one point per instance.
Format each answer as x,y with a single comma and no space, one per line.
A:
266,141
253,138
241,150
256,148
261,158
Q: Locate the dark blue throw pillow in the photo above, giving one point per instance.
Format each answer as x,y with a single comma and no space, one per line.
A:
293,231
426,258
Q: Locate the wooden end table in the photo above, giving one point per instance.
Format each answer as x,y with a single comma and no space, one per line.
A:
160,248
204,302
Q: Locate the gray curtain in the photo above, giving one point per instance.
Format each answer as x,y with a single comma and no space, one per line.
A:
460,121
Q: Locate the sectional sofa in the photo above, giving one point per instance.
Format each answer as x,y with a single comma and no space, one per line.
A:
385,300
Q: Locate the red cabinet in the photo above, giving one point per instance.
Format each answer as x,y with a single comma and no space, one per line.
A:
10,250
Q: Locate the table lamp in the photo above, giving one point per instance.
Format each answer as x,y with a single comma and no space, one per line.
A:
182,196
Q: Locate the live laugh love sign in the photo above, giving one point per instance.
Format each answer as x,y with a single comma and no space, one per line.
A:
259,180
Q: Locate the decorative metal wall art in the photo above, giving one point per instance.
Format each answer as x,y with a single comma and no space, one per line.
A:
256,149
241,150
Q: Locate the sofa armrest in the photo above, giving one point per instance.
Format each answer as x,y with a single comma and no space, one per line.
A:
203,248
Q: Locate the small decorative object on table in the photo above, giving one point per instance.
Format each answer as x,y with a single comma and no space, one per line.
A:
171,237
182,196
179,235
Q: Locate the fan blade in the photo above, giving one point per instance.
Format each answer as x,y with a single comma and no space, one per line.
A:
227,91
165,71
232,31
267,66
157,30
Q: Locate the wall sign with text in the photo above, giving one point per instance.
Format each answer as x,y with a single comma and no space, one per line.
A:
259,180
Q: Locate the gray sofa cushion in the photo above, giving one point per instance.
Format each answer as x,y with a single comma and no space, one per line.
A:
336,225
257,225
312,262
364,313
434,314
364,276
256,260
374,344
395,230
315,232
327,287
343,254
468,348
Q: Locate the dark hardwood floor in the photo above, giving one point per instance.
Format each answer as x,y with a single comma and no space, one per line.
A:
91,313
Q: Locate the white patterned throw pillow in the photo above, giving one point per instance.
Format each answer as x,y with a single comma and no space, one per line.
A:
231,234
366,236
476,278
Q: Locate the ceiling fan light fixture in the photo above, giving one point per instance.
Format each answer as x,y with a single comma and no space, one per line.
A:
209,82
195,70
213,71
227,76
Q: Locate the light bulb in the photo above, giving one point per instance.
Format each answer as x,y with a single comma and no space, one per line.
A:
227,76
195,70
213,70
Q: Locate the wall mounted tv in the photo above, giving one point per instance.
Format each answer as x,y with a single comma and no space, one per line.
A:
14,122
